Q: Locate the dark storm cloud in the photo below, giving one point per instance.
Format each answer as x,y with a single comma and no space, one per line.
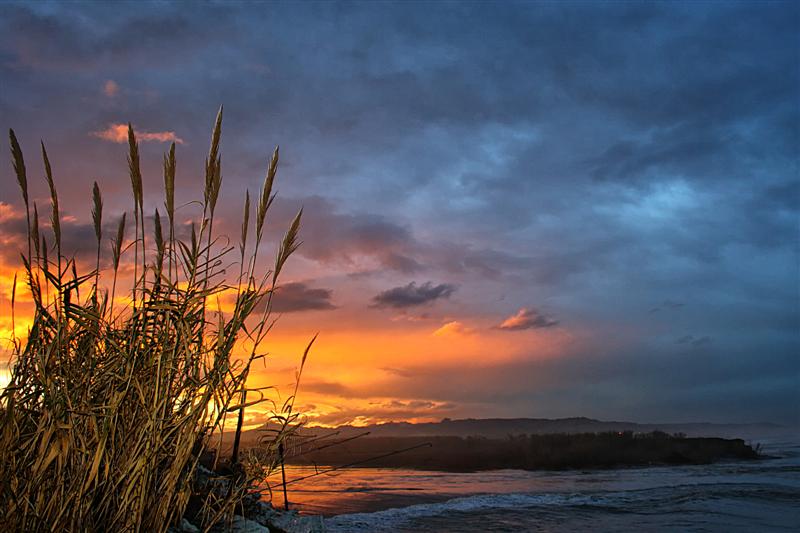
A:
297,297
413,295
343,238
599,157
292,297
48,38
78,240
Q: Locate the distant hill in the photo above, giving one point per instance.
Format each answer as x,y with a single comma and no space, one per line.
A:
503,427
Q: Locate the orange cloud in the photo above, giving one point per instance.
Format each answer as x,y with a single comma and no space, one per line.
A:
527,318
9,213
118,133
453,328
110,88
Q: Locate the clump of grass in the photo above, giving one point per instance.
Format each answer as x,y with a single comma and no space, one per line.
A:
108,409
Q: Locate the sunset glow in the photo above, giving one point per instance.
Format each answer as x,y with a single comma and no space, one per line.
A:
552,227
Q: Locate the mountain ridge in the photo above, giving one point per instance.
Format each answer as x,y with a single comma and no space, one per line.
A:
501,427
504,427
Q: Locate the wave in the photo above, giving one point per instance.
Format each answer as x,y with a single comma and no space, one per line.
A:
392,517
659,500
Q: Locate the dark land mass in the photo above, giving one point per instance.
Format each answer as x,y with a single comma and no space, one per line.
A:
522,443
526,452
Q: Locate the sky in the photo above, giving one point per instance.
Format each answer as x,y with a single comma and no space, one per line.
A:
510,209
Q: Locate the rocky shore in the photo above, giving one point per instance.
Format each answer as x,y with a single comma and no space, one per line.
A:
256,516
261,517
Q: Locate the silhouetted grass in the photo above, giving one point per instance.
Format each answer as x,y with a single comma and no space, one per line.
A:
111,403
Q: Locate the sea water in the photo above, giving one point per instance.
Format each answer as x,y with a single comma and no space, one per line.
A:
755,496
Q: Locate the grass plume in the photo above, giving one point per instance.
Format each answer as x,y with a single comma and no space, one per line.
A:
108,411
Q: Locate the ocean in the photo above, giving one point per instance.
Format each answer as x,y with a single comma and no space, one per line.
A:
750,496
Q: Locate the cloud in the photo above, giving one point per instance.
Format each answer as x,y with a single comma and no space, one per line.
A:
321,386
701,341
9,213
110,88
694,341
350,240
399,372
453,327
406,316
297,296
527,318
370,243
381,410
413,295
77,238
118,133
668,304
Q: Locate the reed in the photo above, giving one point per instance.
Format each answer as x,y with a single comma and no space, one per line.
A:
108,410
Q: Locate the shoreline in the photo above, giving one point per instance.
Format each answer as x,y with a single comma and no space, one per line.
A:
648,496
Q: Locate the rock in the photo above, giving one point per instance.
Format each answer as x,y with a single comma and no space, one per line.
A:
284,521
262,518
184,527
291,522
261,512
243,525
258,516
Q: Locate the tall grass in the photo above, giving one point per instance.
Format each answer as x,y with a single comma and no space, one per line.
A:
108,409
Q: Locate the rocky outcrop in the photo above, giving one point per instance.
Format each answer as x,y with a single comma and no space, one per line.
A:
257,516
261,517
283,521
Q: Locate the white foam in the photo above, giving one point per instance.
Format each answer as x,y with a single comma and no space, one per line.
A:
393,517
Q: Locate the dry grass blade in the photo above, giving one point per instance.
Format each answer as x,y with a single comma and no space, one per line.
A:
97,221
97,212
34,231
55,217
45,262
18,161
13,318
290,403
116,244
213,167
133,167
265,200
288,245
169,183
245,223
216,134
160,245
19,165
